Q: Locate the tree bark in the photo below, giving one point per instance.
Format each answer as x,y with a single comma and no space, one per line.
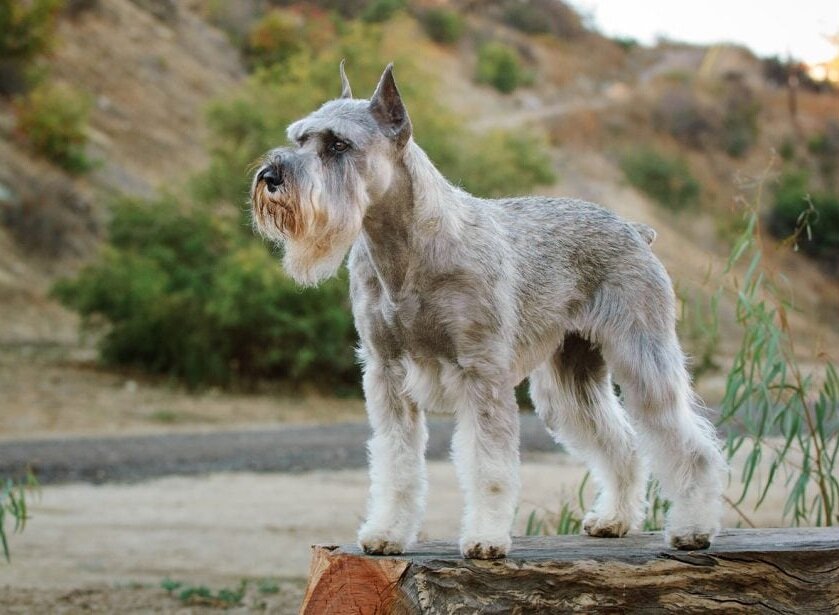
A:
745,571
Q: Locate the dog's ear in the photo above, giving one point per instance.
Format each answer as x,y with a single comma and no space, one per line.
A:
387,108
346,90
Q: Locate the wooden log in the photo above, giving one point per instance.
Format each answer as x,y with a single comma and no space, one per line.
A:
745,571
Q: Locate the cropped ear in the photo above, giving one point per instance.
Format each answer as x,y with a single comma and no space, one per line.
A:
388,110
346,90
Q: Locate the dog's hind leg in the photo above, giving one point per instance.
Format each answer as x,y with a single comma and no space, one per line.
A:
573,394
681,444
398,482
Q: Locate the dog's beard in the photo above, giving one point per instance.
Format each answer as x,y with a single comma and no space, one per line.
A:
315,237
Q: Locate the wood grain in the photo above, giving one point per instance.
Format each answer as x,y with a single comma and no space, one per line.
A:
745,571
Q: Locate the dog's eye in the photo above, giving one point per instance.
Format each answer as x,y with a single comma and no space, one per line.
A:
339,146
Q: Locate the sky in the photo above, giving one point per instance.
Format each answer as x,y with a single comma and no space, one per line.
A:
767,27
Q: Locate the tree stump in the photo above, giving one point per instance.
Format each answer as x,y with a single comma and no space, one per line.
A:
745,571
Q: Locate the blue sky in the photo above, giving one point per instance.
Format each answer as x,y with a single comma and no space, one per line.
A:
768,27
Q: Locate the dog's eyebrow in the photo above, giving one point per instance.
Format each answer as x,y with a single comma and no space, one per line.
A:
331,134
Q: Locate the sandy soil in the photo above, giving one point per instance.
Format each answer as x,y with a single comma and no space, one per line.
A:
110,546
45,395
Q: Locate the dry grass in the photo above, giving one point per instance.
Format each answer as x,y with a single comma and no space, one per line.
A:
45,394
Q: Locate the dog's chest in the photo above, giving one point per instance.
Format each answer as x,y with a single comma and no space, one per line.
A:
428,315
417,326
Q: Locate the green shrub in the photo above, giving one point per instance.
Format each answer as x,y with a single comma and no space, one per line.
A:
14,507
679,112
787,150
499,66
527,18
443,25
667,180
825,148
626,43
543,16
379,11
54,120
739,129
26,30
274,39
186,293
792,198
503,164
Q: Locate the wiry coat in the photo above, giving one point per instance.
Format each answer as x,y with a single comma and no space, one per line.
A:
457,299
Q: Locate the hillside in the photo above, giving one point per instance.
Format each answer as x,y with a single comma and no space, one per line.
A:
151,67
150,79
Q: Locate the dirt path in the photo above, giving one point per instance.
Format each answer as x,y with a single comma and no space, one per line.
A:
268,448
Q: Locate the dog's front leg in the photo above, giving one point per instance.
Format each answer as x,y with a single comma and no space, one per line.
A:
398,482
485,448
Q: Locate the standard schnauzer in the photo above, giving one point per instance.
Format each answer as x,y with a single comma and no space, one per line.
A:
457,299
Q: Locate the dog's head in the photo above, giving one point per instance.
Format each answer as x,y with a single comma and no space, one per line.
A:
312,195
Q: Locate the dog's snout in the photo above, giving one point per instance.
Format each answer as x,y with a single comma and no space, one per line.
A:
272,176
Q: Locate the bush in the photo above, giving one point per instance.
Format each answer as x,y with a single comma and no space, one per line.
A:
543,16
825,148
740,118
14,507
787,150
26,30
666,180
274,38
503,164
499,66
379,11
185,293
54,120
792,199
443,25
679,113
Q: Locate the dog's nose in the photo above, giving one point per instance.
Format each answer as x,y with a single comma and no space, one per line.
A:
272,176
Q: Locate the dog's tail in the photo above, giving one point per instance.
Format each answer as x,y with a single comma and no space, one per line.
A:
646,231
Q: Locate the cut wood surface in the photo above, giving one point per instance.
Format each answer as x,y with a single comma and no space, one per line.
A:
745,571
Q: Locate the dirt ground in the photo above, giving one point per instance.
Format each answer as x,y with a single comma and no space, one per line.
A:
59,392
108,548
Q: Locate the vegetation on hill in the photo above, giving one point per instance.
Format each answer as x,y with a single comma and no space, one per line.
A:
183,288
26,31
54,119
665,179
696,130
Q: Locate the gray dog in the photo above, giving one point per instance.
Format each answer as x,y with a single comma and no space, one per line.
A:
457,299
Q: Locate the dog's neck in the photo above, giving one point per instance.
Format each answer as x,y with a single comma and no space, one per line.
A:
396,224
387,232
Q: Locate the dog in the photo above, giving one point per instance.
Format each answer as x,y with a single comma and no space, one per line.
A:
457,299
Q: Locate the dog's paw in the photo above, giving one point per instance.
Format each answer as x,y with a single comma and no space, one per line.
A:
381,546
690,538
380,543
491,548
605,526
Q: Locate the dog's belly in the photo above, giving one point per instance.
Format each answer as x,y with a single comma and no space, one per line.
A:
435,385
